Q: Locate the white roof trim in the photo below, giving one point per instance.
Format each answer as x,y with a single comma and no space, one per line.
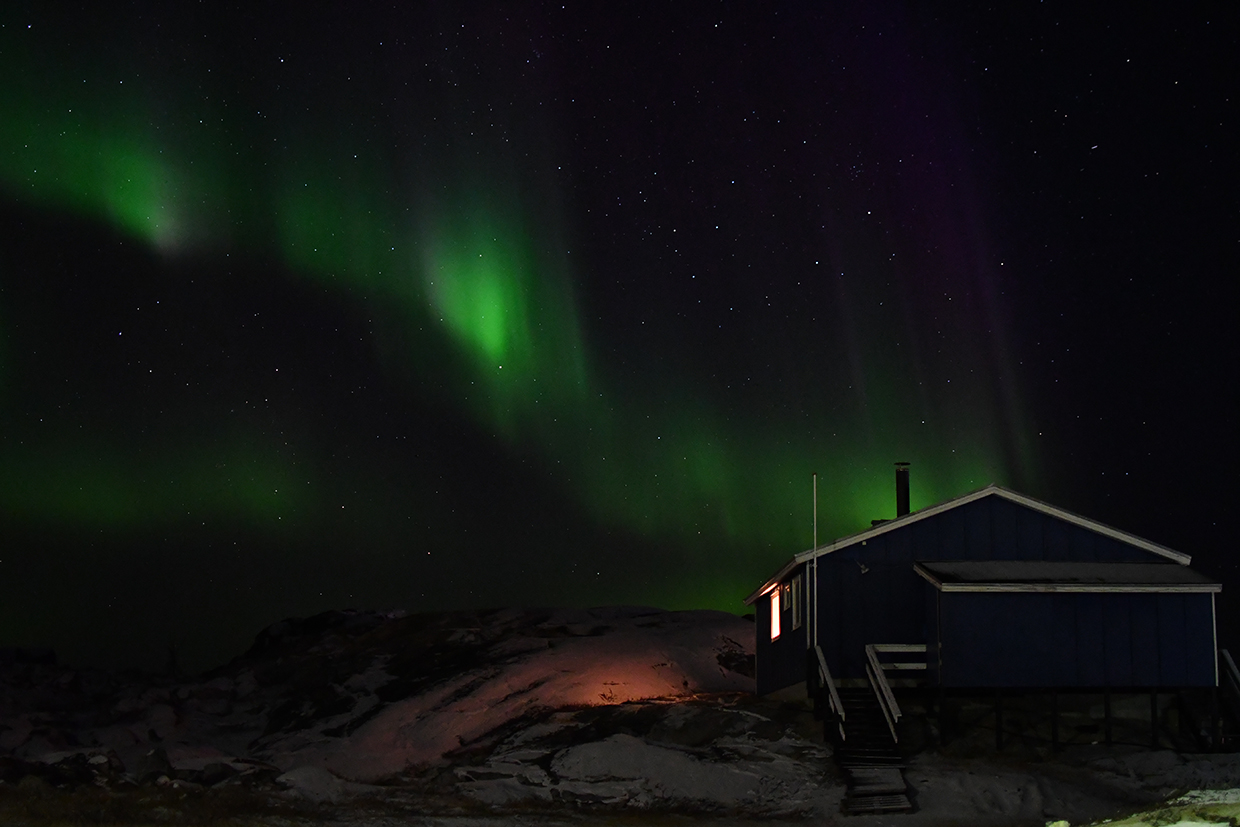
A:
1012,496
990,490
774,581
1081,588
1078,588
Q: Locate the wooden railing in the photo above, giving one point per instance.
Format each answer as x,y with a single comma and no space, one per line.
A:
824,676
1231,675
1229,683
876,671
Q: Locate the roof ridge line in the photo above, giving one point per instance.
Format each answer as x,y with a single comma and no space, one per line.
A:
992,489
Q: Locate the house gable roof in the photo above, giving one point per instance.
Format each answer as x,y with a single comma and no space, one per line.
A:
988,491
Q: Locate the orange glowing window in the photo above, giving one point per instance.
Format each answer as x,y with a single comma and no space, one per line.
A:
775,613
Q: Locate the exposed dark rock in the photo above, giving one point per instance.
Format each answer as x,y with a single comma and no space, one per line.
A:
461,712
151,765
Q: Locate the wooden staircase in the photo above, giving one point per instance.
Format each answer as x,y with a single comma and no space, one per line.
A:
867,740
869,757
862,722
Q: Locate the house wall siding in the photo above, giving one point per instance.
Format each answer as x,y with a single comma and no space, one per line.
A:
870,594
780,662
987,639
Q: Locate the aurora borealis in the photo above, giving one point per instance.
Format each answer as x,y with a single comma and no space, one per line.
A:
549,304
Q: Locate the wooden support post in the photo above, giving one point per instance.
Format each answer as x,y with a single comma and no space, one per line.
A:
1106,714
999,720
1153,719
812,685
938,705
1215,735
1054,720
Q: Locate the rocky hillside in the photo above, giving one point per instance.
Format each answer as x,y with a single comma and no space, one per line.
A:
621,706
560,716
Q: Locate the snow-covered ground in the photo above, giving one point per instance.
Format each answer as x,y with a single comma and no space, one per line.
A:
605,716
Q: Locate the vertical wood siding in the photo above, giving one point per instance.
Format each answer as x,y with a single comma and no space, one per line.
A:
870,593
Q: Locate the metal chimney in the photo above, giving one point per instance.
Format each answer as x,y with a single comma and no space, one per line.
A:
901,489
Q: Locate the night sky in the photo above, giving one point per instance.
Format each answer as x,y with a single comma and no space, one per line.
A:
437,305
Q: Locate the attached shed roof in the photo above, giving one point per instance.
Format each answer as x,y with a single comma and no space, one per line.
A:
1059,576
988,491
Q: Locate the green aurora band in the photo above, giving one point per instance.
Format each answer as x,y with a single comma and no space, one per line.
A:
468,262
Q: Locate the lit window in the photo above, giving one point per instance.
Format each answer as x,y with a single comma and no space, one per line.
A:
775,613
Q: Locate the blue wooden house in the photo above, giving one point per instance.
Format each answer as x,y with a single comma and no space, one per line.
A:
987,591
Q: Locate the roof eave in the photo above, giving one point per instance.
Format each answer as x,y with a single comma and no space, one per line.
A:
771,583
892,525
1064,587
1084,588
1011,496
1095,526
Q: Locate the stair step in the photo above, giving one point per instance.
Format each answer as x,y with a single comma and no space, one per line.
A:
849,757
870,744
849,763
871,739
863,750
863,774
880,789
875,781
877,804
872,758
